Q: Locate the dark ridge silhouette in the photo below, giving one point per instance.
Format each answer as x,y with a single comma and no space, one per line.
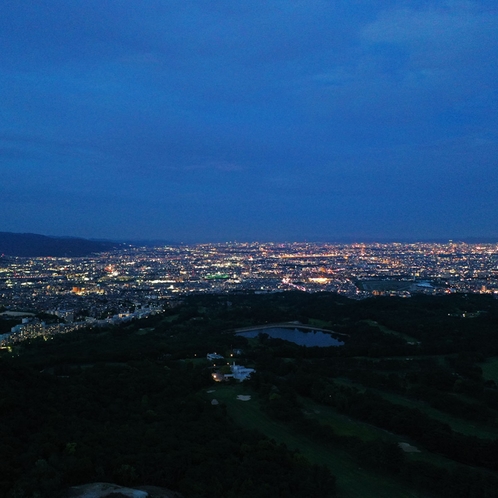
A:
151,242
34,245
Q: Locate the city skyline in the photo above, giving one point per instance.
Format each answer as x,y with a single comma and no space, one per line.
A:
26,241
130,283
289,121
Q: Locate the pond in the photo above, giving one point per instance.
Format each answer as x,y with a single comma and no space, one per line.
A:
308,338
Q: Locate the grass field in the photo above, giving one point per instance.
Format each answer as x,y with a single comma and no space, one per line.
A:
385,330
345,426
352,481
490,369
342,425
465,427
144,331
322,324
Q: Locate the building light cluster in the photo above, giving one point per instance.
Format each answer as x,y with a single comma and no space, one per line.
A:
136,281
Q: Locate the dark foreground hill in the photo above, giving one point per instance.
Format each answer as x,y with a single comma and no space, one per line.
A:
34,245
406,407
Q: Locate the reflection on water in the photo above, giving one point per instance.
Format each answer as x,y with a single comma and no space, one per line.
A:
307,338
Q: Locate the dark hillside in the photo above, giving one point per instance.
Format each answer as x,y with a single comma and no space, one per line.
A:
34,245
408,404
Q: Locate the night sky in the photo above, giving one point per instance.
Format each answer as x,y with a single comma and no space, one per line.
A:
253,120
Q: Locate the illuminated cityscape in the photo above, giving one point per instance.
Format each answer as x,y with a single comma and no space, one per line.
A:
136,282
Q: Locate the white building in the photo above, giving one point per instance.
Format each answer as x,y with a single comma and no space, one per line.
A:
241,373
214,356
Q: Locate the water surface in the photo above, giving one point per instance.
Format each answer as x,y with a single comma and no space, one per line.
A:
308,338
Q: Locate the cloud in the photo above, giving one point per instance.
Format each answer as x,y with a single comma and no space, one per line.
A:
438,37
344,103
417,71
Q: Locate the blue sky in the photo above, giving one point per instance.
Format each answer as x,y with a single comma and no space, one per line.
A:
283,120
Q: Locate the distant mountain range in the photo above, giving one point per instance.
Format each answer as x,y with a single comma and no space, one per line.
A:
151,242
34,245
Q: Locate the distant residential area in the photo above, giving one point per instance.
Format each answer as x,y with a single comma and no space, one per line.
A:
135,282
